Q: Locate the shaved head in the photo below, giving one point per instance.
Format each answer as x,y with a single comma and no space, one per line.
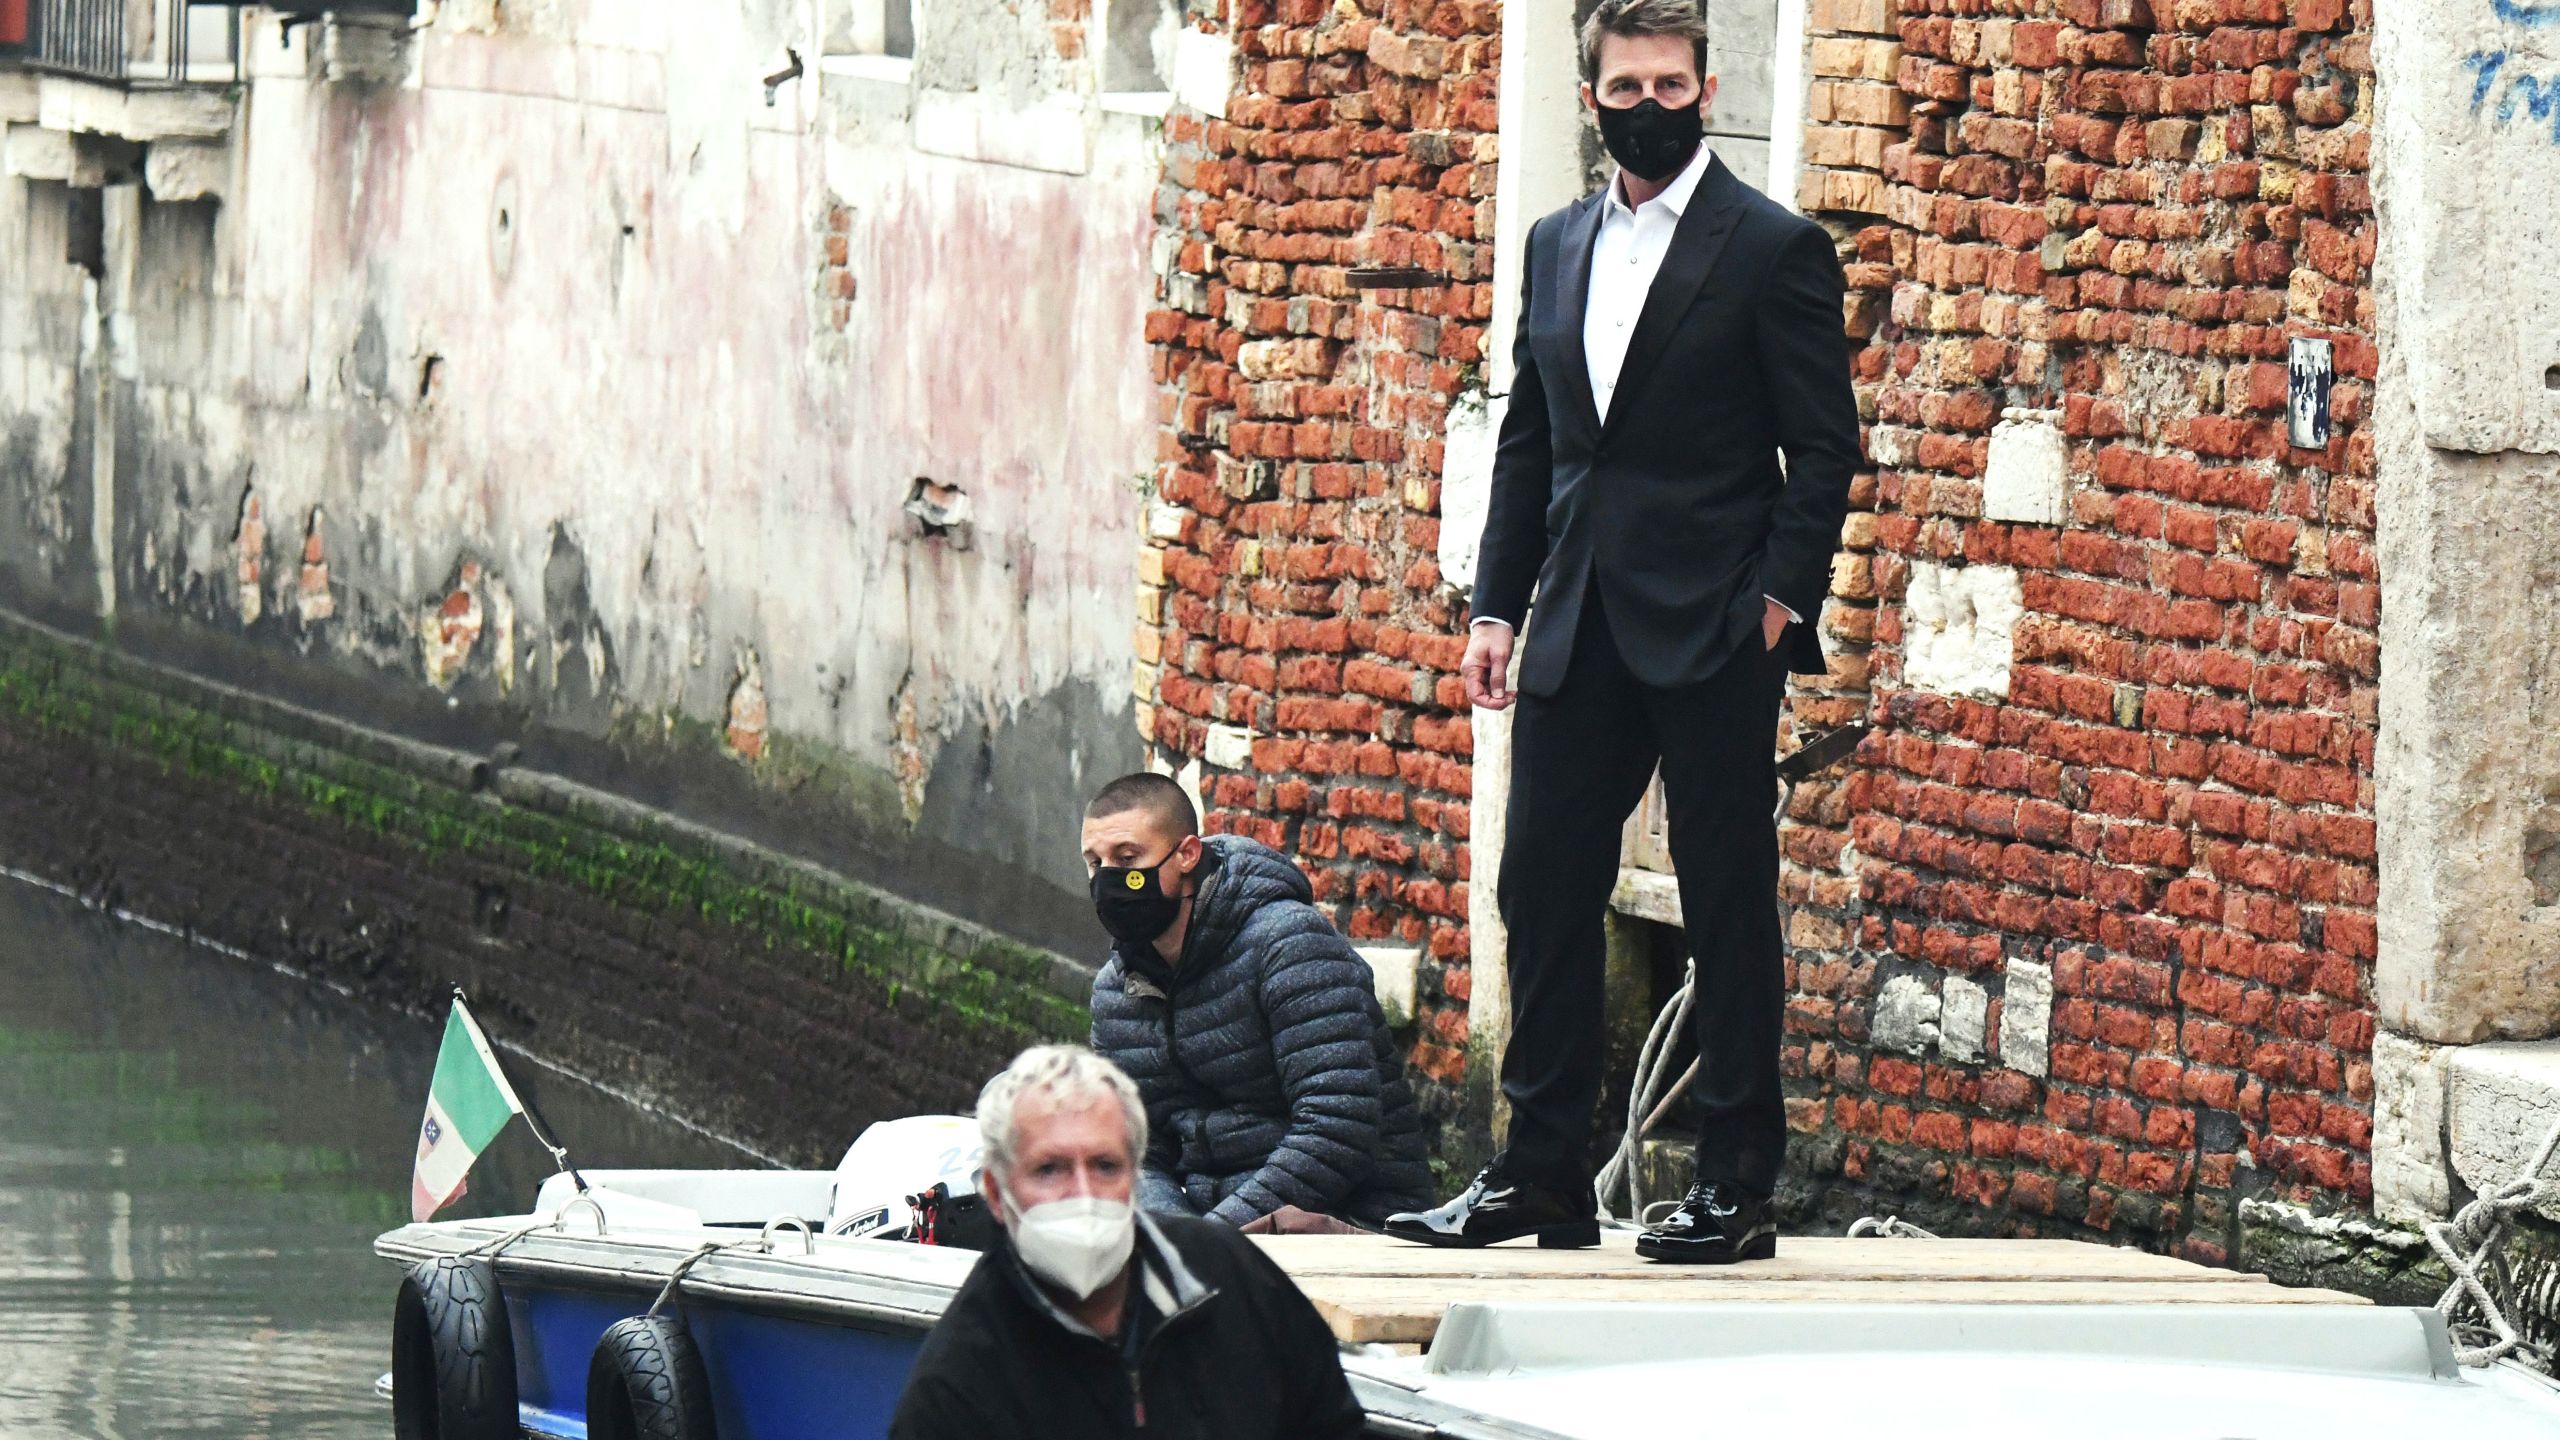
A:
1169,811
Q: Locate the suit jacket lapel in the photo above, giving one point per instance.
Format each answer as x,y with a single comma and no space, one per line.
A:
1704,227
1573,297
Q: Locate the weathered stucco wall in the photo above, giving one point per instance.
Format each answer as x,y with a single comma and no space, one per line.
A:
557,390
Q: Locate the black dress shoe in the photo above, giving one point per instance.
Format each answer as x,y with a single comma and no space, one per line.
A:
1497,1207
1716,1224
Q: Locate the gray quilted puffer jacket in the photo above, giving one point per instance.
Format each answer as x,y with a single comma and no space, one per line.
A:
1268,1073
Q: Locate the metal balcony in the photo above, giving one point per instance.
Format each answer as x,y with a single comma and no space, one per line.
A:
134,42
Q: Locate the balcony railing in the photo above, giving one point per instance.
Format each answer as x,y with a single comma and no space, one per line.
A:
125,42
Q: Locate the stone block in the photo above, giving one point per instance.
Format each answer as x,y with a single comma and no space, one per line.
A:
140,115
1906,1016
365,50
1859,102
1964,1009
2026,1017
1959,628
2469,942
1049,134
32,152
1866,17
2027,479
179,170
2412,1178
2465,126
1858,147
1396,971
1852,191
1647,895
1855,59
2501,1100
1203,71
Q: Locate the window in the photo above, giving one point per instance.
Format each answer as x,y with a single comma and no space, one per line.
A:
1137,44
871,27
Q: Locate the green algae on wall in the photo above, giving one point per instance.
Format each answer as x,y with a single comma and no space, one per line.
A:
440,803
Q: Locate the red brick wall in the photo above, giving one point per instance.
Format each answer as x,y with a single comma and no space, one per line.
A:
1295,592
2121,211
2079,205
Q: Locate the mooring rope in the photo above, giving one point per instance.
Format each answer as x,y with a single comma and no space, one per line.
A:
685,1266
1891,1227
2468,1244
1646,1101
1654,1092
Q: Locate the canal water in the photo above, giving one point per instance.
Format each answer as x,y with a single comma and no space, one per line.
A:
195,1156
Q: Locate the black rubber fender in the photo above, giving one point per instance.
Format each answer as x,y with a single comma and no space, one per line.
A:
647,1382
453,1354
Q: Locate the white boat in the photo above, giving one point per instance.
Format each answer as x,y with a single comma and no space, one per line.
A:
785,1331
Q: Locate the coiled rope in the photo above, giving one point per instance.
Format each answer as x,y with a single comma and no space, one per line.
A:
2468,1244
1654,1093
1891,1227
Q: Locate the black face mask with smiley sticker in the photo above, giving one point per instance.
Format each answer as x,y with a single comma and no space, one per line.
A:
1132,904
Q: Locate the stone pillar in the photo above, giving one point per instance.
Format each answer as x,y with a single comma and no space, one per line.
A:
2468,514
1541,169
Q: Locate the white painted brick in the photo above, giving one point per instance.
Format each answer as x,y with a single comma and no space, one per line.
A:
1466,484
2026,482
1963,1012
1397,974
2026,1017
1229,747
1959,628
1906,1016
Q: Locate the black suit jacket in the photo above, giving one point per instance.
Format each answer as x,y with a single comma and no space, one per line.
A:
1677,508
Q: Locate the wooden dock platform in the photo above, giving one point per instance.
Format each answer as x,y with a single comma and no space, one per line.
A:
1372,1289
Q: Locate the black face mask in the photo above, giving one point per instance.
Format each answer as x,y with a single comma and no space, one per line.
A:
1650,142
1132,902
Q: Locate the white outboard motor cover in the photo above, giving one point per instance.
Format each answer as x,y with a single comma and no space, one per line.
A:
898,1158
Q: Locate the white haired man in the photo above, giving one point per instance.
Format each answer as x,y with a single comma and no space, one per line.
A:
1091,1319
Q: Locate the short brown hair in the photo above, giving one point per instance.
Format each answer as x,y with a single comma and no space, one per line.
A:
1629,18
1155,794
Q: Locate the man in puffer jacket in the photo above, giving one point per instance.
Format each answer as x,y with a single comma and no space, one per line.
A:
1251,1026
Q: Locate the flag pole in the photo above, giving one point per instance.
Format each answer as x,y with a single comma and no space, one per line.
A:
532,1117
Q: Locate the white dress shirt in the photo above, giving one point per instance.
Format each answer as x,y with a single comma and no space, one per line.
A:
1625,257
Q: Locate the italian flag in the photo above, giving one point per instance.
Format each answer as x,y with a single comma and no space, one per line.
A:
468,1103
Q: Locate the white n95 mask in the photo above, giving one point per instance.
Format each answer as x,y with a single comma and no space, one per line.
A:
1078,1244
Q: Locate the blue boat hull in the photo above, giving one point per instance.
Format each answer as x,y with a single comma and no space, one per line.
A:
773,1377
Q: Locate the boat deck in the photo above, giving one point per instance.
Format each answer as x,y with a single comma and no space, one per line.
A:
1375,1290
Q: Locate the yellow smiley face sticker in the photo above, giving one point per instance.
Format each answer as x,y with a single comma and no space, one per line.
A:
1137,880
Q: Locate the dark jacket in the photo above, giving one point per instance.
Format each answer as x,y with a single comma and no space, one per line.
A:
1238,1355
1676,509
1268,1072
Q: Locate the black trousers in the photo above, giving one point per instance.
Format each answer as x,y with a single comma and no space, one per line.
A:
1580,759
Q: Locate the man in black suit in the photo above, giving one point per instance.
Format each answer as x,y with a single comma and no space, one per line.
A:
1678,332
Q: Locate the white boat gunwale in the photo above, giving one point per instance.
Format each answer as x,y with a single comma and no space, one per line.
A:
636,1264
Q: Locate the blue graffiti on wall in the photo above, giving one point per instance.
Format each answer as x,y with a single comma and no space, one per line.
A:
2527,12
2536,98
